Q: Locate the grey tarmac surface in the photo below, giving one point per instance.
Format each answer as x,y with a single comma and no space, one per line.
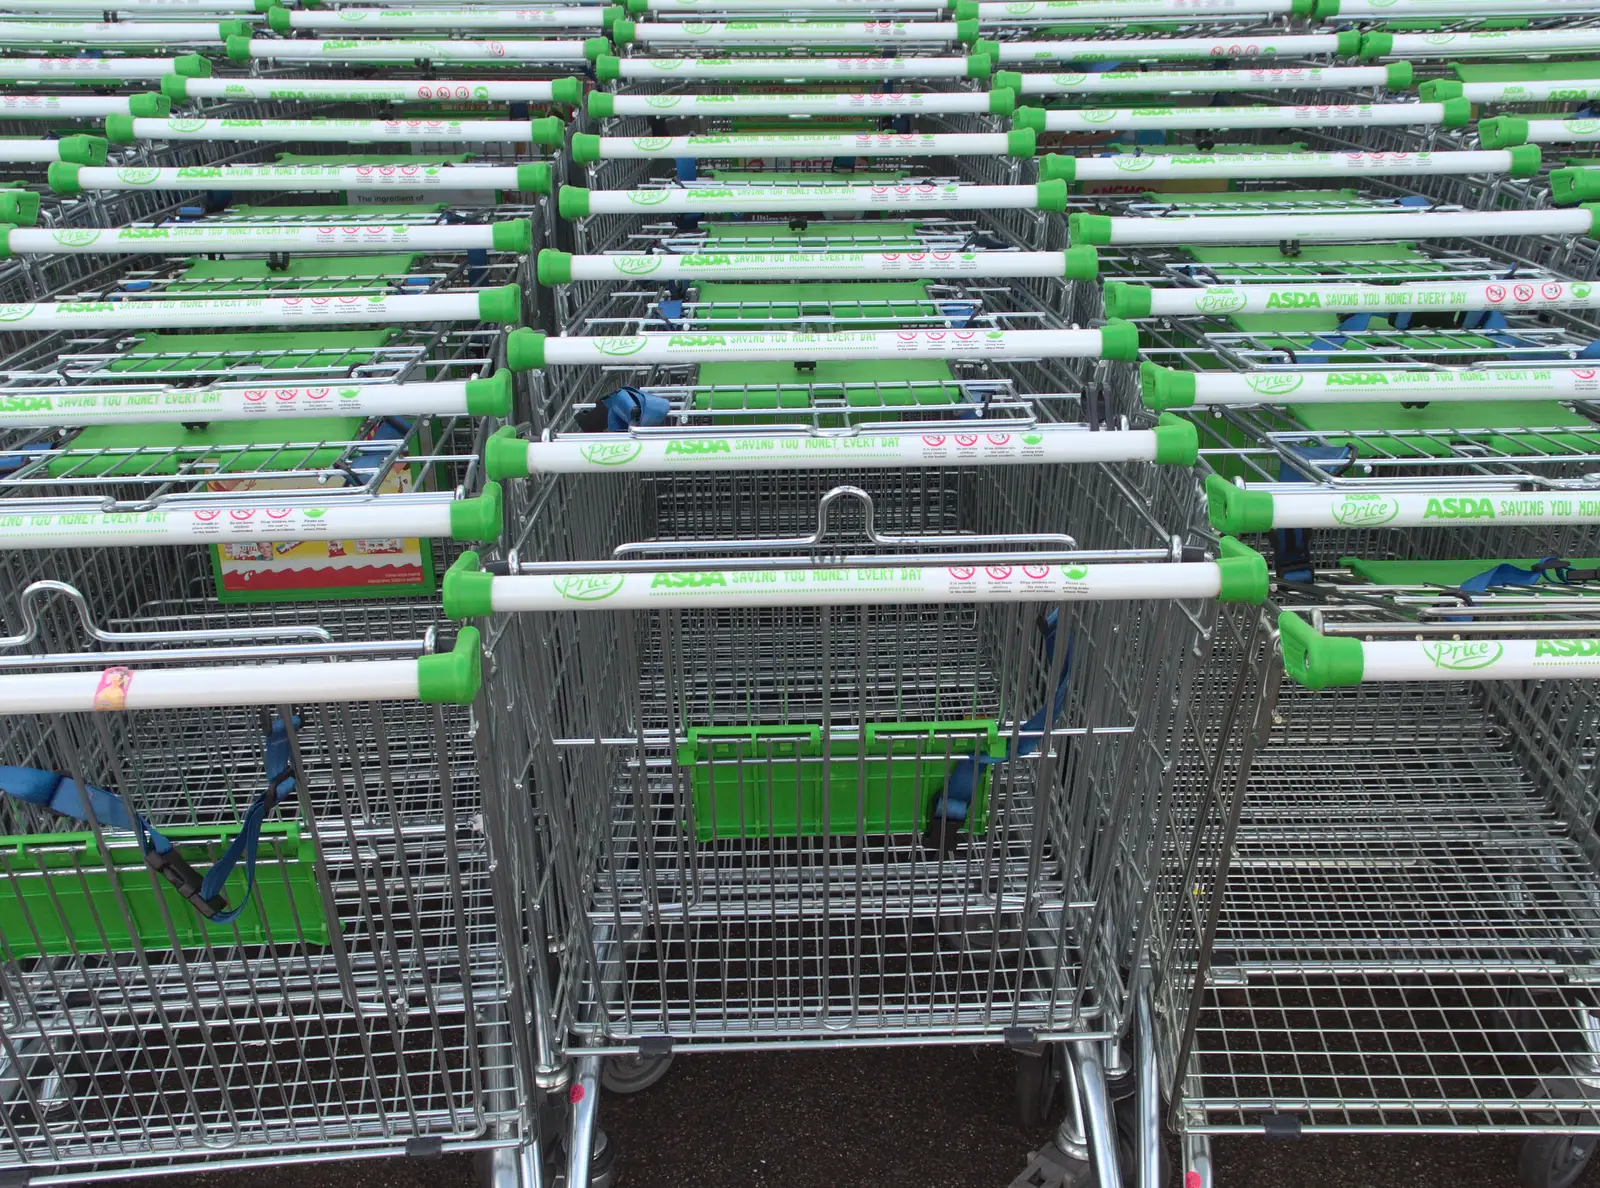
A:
912,1118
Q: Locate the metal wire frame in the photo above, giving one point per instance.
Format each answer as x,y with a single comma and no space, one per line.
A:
391,1031
642,899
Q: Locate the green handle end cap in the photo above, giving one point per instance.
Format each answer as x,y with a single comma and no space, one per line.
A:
1089,228
466,588
1567,186
453,677
967,32
278,20
1177,441
1316,9
83,150
479,519
966,10
1457,113
1056,167
1127,301
5,241
192,66
1527,160
572,202
63,179
175,86
1010,80
1022,142
1082,264
20,208
1437,90
979,66
1233,509
549,131
608,68
638,7
610,16
490,396
512,235
1502,132
535,178
119,129
525,350
505,455
1119,341
1243,573
567,90
227,29
149,106
1316,660
1028,117
585,148
554,267
1368,45
1052,196
501,305
602,105
624,33
1161,388
1002,101
1401,76
237,49
595,48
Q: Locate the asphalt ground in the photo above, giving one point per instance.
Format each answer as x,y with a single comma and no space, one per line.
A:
904,1118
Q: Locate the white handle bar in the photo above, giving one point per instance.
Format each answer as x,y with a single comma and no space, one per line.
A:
33,152
359,21
1170,49
309,178
126,405
1146,167
1289,78
373,90
532,52
513,235
1333,228
712,588
955,446
338,131
787,69
1496,43
28,107
778,345
1369,115
733,7
1301,505
785,32
825,198
106,69
1533,90
1044,12
1408,297
114,33
864,103
843,144
211,312
560,268
1164,388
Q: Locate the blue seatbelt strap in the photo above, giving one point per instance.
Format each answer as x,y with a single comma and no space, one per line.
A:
1291,547
953,803
623,405
1551,569
64,796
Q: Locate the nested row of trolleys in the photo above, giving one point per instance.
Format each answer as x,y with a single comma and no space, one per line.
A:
531,552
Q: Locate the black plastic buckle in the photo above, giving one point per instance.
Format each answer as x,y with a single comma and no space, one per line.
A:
186,879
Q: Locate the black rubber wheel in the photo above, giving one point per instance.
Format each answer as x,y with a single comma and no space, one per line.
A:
1555,1160
1038,1082
633,1074
1127,1111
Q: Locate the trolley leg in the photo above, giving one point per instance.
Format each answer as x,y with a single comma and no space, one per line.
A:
512,1167
1197,1161
585,1116
1100,1127
1147,1146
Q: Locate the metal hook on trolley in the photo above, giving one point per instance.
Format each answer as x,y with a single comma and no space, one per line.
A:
869,532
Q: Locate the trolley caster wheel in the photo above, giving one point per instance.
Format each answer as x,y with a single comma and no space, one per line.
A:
1038,1082
1555,1160
603,1169
634,1073
1127,1111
